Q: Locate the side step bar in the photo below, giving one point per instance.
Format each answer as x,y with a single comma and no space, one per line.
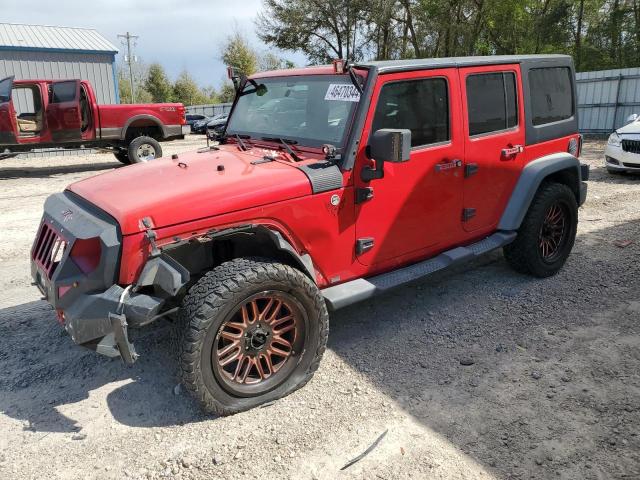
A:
340,296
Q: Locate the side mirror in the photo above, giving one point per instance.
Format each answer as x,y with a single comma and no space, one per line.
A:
387,145
632,118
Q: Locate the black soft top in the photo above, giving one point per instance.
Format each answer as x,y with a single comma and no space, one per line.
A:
390,66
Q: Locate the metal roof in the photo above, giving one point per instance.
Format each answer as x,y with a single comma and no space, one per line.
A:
450,62
50,38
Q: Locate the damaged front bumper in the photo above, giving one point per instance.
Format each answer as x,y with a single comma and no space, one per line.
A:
95,310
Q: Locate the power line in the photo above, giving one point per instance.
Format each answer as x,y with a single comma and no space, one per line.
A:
129,59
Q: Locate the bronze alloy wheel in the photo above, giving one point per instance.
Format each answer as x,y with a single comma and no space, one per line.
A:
258,344
553,232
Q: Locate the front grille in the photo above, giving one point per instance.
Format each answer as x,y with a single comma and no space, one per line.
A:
48,249
631,146
632,165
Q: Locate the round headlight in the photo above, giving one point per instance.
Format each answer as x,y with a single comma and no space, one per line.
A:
614,139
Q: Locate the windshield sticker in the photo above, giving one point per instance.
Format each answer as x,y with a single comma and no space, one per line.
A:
342,92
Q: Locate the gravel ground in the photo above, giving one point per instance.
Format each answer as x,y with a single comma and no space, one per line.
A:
475,373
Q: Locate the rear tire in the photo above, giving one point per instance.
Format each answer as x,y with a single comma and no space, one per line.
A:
249,310
143,149
547,233
123,157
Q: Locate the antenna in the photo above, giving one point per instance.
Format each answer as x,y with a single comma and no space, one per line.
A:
130,60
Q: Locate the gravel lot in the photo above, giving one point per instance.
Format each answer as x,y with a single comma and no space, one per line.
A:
553,389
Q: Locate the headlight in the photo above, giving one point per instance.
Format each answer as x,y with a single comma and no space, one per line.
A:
614,139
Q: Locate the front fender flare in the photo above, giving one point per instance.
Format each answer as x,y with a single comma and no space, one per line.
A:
533,174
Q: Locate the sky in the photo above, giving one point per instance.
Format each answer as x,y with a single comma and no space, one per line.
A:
180,35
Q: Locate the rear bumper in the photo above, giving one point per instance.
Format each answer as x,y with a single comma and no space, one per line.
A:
176,131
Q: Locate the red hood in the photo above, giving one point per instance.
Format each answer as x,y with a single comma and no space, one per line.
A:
192,187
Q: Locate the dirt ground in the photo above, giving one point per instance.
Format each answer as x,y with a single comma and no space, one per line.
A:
553,389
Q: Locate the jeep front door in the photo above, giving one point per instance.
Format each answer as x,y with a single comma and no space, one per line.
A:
63,111
494,138
414,210
7,115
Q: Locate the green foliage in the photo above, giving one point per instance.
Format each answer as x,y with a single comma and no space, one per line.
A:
238,53
186,90
599,34
124,85
227,92
158,84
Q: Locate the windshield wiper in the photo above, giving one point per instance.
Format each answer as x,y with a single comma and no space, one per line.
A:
286,144
243,146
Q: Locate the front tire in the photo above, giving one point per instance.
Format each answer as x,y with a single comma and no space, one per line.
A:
547,233
143,149
250,331
123,157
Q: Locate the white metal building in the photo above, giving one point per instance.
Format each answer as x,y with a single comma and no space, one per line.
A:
48,52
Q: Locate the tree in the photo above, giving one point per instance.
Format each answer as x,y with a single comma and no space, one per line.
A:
186,90
271,61
599,33
124,85
158,85
227,93
322,30
238,54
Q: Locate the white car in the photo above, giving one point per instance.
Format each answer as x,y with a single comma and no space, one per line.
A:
623,148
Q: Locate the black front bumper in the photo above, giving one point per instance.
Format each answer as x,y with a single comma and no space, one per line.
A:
95,309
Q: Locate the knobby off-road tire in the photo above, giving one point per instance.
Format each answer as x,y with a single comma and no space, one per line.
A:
213,310
123,157
547,233
143,149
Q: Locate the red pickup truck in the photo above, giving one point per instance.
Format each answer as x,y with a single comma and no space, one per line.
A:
36,114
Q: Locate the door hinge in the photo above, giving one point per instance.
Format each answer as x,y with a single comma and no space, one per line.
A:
468,214
364,245
470,169
364,194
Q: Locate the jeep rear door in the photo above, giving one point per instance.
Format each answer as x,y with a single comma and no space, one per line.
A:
63,112
7,115
415,209
494,138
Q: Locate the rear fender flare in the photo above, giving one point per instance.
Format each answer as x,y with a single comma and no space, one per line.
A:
533,174
155,120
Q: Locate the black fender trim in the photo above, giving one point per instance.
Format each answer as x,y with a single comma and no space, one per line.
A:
165,273
155,120
530,179
304,259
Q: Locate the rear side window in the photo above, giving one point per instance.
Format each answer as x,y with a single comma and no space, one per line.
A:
491,102
551,94
63,92
421,106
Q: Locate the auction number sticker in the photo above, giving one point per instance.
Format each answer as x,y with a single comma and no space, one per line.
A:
342,92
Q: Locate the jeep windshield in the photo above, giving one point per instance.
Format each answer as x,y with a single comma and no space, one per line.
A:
311,110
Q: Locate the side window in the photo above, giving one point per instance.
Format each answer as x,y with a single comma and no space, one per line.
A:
491,102
421,106
63,92
5,89
551,94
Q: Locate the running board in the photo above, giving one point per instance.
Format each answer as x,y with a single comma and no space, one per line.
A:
340,296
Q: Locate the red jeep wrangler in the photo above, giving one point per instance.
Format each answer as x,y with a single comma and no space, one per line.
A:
36,114
331,185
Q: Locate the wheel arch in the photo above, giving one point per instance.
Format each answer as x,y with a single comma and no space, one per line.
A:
242,241
561,168
142,122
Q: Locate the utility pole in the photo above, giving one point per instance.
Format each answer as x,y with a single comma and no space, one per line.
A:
129,59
